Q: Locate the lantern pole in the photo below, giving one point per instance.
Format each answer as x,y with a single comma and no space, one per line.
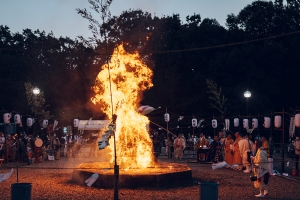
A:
168,148
282,142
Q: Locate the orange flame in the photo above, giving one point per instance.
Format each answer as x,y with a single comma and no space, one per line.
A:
129,78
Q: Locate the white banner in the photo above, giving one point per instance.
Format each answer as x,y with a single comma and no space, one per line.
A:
292,127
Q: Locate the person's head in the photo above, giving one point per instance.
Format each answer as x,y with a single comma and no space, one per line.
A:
179,135
258,143
216,138
201,134
229,136
246,136
220,134
263,138
236,134
297,137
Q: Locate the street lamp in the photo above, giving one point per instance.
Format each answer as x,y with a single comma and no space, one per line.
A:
247,94
36,91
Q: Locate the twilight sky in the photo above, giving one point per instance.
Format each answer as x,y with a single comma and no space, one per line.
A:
60,17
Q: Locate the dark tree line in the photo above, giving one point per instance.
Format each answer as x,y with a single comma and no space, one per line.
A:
183,56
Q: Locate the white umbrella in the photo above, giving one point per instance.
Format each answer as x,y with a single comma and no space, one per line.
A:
144,110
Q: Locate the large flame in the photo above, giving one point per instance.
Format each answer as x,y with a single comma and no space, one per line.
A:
129,78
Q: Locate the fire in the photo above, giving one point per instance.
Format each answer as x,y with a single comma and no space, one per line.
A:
129,78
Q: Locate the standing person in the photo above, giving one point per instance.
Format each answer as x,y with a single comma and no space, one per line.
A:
8,148
246,147
170,146
179,145
222,141
297,151
237,158
229,149
215,150
261,170
265,145
202,142
2,145
157,143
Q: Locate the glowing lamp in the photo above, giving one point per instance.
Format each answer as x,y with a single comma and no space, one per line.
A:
214,123
194,122
76,122
267,122
297,120
167,117
245,123
29,122
254,123
17,119
236,122
6,118
277,121
45,123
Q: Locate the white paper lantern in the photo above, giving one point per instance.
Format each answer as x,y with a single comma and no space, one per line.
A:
167,117
214,123
227,124
76,122
236,122
297,120
29,122
45,123
194,122
17,119
254,123
267,122
245,123
6,118
277,121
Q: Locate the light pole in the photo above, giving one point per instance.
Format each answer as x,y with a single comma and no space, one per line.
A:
247,94
35,91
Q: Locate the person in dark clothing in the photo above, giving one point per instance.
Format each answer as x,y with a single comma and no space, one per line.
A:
215,150
157,143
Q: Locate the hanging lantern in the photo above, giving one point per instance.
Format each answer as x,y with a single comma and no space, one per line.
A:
245,123
227,123
45,123
236,122
17,119
254,123
214,123
194,122
297,120
267,122
76,122
6,118
277,121
167,117
29,122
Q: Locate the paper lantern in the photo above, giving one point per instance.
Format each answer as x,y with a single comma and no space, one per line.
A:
6,118
277,121
144,110
76,122
267,122
45,123
236,122
214,123
245,123
254,123
227,124
17,119
29,122
297,120
167,117
194,122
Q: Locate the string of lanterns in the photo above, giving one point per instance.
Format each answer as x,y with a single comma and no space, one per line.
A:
17,120
236,122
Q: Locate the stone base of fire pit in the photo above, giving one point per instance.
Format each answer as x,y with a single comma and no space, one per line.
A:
162,175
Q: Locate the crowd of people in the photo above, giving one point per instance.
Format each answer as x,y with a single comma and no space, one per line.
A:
27,148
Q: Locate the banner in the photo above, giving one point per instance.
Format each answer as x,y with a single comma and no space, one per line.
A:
292,127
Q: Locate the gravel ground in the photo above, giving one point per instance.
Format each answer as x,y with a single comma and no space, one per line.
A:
51,182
